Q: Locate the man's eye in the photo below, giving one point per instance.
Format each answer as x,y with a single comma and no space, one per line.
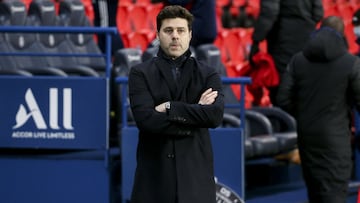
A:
168,31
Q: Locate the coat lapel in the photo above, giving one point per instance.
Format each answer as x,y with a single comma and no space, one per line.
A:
185,78
165,71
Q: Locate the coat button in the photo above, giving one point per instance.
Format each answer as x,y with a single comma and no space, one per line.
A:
170,156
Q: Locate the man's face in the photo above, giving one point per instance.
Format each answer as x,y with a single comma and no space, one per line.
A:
174,36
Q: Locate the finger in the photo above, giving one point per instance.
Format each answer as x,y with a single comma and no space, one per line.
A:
210,98
207,91
213,94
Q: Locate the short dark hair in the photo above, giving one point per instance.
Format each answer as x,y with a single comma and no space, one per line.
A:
174,11
334,22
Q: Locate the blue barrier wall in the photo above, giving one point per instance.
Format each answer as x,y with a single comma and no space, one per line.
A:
52,113
54,133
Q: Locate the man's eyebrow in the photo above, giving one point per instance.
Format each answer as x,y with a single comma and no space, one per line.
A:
169,27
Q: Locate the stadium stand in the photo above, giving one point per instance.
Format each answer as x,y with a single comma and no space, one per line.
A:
149,53
138,39
122,17
259,132
25,45
7,64
43,13
73,14
123,61
284,127
268,132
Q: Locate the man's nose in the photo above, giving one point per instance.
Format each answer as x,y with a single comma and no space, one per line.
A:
175,34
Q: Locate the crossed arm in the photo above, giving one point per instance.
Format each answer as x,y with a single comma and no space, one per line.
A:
208,97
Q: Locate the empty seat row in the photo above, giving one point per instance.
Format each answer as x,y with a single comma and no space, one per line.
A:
135,17
89,10
63,47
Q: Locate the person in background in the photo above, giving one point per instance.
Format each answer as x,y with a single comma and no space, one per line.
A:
204,25
105,16
320,87
175,99
286,26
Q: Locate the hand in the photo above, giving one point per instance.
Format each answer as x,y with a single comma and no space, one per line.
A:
254,49
208,97
161,108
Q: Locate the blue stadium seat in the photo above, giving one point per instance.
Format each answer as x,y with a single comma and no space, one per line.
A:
149,53
15,13
284,126
72,12
260,141
43,13
124,59
7,64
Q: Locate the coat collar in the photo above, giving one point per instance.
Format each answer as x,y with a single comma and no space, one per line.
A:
178,61
164,65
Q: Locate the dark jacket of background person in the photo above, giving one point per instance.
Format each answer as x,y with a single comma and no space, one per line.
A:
319,88
286,25
204,25
105,16
174,151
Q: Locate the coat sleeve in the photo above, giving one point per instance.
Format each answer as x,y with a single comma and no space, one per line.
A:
269,11
201,116
143,109
355,84
285,94
317,10
182,119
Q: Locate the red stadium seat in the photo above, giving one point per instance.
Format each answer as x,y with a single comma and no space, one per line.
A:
220,43
228,43
139,39
27,3
125,2
331,10
351,38
221,3
238,3
89,10
253,8
143,2
355,3
245,35
232,52
347,11
153,11
139,17
341,2
123,22
327,3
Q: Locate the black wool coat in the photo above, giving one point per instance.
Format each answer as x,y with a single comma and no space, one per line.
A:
174,152
320,88
286,25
